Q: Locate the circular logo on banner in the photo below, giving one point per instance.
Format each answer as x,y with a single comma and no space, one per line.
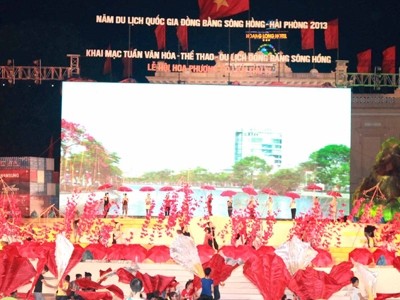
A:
267,49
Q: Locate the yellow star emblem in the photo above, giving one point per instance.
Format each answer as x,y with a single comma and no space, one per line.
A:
220,3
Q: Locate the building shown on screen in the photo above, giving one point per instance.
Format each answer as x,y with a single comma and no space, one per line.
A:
265,144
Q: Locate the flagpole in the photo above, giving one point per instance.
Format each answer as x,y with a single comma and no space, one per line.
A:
129,48
249,34
179,62
229,52
337,50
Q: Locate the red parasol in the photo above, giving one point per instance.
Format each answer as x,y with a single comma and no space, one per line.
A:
124,189
228,193
105,186
208,187
362,256
269,191
158,254
167,188
313,187
292,195
334,194
146,188
250,191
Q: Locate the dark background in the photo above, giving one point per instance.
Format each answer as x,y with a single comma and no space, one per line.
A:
49,30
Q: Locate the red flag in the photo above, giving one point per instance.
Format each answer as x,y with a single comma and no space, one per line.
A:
389,60
127,64
160,32
332,35
364,61
182,34
107,64
307,39
216,9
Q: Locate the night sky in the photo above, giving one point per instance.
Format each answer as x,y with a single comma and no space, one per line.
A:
49,30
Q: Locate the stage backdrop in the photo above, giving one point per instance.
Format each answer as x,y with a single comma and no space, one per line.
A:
114,131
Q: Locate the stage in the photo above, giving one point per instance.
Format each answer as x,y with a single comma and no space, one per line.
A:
237,286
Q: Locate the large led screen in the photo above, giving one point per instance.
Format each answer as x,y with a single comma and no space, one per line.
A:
122,137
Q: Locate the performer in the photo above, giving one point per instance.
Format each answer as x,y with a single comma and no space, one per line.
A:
270,205
125,200
333,208
229,204
209,204
106,204
167,205
148,202
209,238
293,208
75,225
251,206
369,233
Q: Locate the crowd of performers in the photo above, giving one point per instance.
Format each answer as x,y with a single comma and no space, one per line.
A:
245,227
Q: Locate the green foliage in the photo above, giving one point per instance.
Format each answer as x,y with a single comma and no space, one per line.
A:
332,165
284,180
247,169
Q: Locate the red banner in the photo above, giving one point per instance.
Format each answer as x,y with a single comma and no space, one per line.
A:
160,33
307,39
364,61
389,60
332,35
220,9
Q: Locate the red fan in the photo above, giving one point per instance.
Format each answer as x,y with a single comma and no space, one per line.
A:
388,255
269,274
323,258
362,256
396,262
264,249
158,254
220,271
244,252
314,284
99,251
154,283
205,252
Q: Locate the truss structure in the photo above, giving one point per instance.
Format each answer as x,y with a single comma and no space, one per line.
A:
38,73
